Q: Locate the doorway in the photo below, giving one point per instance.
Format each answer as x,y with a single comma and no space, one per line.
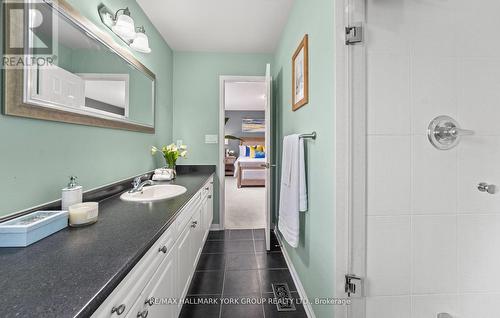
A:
244,152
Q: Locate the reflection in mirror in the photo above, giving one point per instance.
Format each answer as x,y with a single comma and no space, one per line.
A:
89,78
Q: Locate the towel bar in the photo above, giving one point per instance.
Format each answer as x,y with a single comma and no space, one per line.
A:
308,136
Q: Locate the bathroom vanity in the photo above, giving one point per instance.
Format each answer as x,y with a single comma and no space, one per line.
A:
162,277
136,261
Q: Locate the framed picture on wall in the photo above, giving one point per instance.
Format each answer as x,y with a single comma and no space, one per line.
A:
300,75
253,125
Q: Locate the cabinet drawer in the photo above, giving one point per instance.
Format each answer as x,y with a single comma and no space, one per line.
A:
187,212
166,242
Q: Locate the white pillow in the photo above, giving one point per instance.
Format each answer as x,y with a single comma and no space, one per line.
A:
243,151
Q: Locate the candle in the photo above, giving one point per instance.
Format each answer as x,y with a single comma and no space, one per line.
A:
83,213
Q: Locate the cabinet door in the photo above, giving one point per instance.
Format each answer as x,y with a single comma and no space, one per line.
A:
205,217
210,206
197,237
184,262
163,291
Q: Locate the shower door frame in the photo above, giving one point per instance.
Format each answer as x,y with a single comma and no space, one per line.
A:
350,156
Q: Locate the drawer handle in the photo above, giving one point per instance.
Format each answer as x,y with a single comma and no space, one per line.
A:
207,188
142,314
150,301
118,310
163,249
209,196
194,223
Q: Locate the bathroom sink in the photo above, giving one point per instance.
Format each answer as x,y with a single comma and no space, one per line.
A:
154,193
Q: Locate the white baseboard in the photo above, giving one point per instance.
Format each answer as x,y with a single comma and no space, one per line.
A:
295,276
215,227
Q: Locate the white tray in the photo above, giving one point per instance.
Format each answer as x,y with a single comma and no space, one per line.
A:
30,228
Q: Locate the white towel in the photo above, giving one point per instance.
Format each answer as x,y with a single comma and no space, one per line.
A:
293,194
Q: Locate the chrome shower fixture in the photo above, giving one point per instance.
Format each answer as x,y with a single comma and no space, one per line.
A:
444,132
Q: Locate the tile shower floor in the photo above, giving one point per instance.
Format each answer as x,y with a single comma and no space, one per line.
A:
235,267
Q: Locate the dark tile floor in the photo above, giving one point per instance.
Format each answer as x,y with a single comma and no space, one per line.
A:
235,267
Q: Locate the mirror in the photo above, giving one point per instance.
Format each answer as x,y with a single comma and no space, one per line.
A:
91,80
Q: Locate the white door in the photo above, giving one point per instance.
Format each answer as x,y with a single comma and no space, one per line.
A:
268,156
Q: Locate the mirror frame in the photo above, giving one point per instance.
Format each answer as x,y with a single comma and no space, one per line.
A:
14,81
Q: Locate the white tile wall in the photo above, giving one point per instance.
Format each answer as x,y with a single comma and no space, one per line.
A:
479,306
389,175
389,91
389,258
428,306
478,106
434,181
479,257
388,307
433,238
479,162
434,90
434,254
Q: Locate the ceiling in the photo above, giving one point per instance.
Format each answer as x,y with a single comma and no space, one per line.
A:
236,26
245,96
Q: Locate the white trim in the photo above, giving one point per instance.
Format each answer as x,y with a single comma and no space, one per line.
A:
295,276
220,167
215,227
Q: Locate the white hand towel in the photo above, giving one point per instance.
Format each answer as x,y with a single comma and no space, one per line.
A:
162,177
293,194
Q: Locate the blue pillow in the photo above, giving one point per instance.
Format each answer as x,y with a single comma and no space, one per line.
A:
260,154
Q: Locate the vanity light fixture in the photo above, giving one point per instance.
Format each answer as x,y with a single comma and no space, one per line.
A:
122,24
141,41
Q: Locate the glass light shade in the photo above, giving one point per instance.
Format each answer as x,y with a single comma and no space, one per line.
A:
124,27
141,43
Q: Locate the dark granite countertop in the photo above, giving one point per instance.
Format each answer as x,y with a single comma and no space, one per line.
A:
71,272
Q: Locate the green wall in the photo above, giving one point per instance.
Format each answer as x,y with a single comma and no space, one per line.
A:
196,99
38,156
313,259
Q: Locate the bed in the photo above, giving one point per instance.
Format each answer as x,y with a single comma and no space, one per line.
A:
250,172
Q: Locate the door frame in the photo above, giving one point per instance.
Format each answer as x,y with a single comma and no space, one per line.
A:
223,79
350,156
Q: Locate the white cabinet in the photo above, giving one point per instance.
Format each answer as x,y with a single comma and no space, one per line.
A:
184,262
155,286
158,298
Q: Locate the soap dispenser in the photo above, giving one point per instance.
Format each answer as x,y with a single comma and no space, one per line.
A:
72,194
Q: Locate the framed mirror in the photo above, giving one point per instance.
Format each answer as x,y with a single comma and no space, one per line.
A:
73,71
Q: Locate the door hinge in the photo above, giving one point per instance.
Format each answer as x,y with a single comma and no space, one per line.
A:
352,285
353,34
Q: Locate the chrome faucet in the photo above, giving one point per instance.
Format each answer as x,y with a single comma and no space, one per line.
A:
138,184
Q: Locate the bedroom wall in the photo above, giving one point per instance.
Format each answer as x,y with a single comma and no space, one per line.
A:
313,259
196,100
38,156
233,126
